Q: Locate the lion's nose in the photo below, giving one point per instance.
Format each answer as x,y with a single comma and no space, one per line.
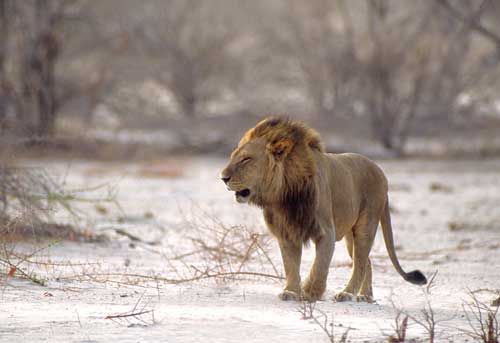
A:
225,179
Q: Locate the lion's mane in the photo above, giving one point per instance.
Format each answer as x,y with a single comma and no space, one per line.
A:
290,195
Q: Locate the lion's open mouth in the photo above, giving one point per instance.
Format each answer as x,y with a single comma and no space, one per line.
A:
243,193
242,196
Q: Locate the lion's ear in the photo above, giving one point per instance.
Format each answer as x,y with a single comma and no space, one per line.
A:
281,148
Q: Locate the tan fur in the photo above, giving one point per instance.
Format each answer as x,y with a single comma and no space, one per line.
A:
307,194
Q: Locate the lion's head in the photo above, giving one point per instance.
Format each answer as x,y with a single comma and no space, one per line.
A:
272,162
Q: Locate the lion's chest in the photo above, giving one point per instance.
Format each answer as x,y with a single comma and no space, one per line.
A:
283,225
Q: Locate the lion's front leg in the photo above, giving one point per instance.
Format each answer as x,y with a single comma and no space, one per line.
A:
315,285
291,254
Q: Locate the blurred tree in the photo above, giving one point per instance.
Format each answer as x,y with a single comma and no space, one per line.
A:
472,16
394,67
4,86
41,50
415,72
189,43
319,36
403,64
395,70
4,26
28,69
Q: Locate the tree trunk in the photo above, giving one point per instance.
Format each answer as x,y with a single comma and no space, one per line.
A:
188,103
3,48
4,26
45,55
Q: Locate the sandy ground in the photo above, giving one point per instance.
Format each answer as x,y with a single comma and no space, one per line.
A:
445,217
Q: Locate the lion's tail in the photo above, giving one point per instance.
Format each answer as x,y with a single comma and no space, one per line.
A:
416,277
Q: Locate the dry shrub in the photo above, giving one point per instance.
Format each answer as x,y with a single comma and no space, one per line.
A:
482,320
400,326
224,251
427,320
426,317
308,310
28,198
219,252
26,191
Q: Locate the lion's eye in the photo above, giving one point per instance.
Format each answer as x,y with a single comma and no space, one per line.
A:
245,160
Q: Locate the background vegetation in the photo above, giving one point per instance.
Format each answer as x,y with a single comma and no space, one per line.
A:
380,70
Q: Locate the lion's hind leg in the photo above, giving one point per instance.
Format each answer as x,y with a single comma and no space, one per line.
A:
344,295
359,243
366,291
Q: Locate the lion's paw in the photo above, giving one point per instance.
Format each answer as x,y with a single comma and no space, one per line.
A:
313,291
289,295
344,296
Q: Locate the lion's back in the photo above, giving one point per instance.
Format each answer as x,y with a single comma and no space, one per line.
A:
365,173
357,184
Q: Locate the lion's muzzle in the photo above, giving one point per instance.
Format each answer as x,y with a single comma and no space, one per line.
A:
241,194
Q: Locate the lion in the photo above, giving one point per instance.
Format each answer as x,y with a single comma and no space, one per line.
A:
308,195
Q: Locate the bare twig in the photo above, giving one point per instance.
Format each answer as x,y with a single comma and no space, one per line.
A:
482,320
328,327
14,268
134,279
225,249
307,309
431,283
426,320
400,325
128,314
255,238
136,314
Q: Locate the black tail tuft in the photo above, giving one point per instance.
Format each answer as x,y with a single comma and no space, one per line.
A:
416,277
